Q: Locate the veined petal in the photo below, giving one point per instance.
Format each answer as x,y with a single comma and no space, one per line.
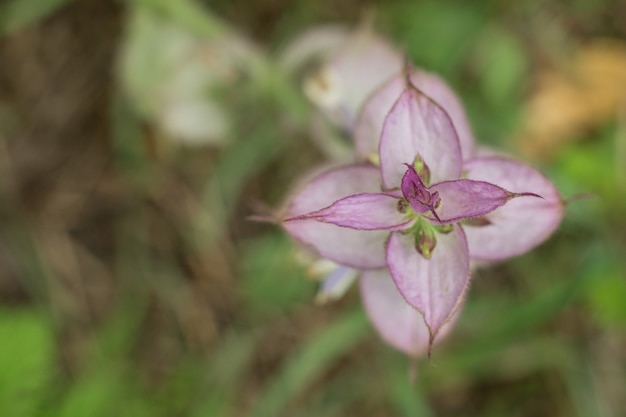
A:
324,188
355,248
462,199
417,127
436,88
358,249
434,286
397,322
369,124
522,223
368,211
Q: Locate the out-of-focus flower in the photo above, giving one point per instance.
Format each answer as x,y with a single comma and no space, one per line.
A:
408,215
341,69
350,66
175,78
586,90
336,279
360,106
369,126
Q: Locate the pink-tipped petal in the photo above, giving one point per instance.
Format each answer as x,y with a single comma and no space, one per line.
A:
436,88
398,323
463,199
522,223
369,211
417,127
355,248
368,128
434,286
325,187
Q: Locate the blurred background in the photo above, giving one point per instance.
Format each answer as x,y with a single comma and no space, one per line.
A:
137,136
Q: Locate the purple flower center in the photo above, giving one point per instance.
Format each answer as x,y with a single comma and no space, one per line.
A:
417,194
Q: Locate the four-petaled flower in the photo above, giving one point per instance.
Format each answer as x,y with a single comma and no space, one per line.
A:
419,213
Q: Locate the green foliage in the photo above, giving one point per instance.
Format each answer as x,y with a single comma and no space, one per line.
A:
538,331
17,14
273,280
607,294
593,167
436,34
187,13
310,361
27,360
502,66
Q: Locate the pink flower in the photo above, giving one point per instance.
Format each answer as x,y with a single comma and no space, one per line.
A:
413,223
510,230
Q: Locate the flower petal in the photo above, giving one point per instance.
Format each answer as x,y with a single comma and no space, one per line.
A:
355,248
434,286
362,63
369,124
522,223
462,199
417,127
336,284
397,322
436,88
368,211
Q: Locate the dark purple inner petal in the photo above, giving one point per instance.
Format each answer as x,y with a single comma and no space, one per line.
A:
417,194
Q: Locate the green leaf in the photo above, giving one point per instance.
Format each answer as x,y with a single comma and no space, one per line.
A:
436,33
607,288
502,65
101,392
26,361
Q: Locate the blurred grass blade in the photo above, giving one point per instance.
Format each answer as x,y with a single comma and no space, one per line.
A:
227,367
236,166
582,384
316,355
96,394
408,399
514,323
16,14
